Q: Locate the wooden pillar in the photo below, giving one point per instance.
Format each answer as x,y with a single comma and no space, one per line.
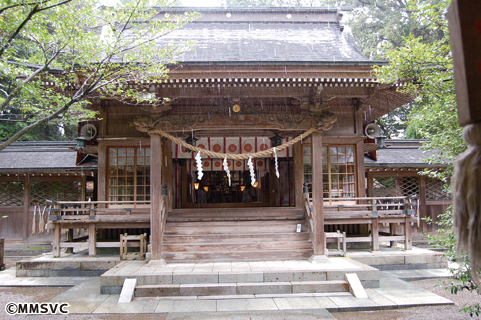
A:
272,183
102,174
408,242
184,187
26,207
375,234
56,240
361,172
156,195
422,204
317,201
298,166
92,240
167,177
370,184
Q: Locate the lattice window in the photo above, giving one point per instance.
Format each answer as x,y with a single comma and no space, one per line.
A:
409,186
435,190
338,171
129,174
55,190
384,187
11,194
395,186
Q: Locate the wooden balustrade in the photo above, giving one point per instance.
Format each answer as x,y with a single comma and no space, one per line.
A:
368,210
94,215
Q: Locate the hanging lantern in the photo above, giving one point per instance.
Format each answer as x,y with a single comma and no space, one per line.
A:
81,143
191,140
196,185
276,140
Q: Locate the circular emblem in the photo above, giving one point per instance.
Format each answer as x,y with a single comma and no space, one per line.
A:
264,147
260,163
216,147
236,108
201,146
248,147
206,164
232,148
238,164
217,164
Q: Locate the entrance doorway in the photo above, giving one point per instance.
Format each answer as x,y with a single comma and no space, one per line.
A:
214,191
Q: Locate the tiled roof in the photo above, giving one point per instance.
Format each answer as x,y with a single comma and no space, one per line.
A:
400,153
266,36
39,155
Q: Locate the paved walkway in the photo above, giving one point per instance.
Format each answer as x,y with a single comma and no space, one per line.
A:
84,298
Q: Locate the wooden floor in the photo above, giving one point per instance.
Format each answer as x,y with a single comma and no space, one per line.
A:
240,234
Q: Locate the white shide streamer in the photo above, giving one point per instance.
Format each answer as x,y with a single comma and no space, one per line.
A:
226,169
251,169
277,166
198,160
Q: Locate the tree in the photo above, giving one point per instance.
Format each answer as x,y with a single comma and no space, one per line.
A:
426,70
281,3
56,55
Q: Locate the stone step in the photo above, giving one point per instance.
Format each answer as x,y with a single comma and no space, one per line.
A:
252,288
247,296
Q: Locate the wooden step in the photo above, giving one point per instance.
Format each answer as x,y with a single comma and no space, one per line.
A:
258,255
199,228
235,234
234,214
222,223
231,238
245,246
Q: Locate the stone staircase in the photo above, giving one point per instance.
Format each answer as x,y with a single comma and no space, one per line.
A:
156,280
243,234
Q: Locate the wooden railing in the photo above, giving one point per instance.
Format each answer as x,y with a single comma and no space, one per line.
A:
371,211
94,215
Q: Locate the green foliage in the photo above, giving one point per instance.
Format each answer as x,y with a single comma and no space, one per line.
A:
426,71
56,56
379,25
282,3
394,123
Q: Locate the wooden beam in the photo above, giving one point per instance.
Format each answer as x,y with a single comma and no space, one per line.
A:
156,195
316,147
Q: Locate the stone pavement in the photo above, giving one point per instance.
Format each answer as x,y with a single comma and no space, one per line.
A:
84,298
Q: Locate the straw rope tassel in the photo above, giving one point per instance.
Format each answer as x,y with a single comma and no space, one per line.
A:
466,199
41,224
34,224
